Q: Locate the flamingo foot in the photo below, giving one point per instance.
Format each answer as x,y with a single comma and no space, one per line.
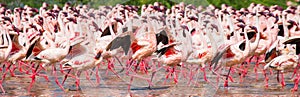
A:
74,88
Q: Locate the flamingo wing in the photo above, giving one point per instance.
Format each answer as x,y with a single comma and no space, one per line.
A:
219,55
121,41
29,51
162,37
165,48
107,31
294,40
270,55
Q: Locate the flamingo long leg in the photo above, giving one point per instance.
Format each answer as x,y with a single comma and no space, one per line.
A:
66,76
120,64
56,79
282,80
33,76
255,68
2,86
266,79
296,82
87,76
226,81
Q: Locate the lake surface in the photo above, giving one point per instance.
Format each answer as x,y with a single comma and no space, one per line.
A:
110,85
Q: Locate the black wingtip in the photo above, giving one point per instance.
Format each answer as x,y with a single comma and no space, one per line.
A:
281,32
67,65
29,51
162,37
297,49
268,54
70,49
98,55
107,31
163,50
217,58
36,58
123,42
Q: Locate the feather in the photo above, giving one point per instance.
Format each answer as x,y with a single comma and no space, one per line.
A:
123,41
107,31
36,58
29,51
162,37
161,51
218,56
294,40
98,55
242,46
281,31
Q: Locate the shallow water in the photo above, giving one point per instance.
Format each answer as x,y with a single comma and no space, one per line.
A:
110,85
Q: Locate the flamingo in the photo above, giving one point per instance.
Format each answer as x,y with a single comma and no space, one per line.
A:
284,63
53,55
80,63
6,47
235,54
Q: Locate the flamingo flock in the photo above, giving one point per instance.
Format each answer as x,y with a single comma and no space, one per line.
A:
79,39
